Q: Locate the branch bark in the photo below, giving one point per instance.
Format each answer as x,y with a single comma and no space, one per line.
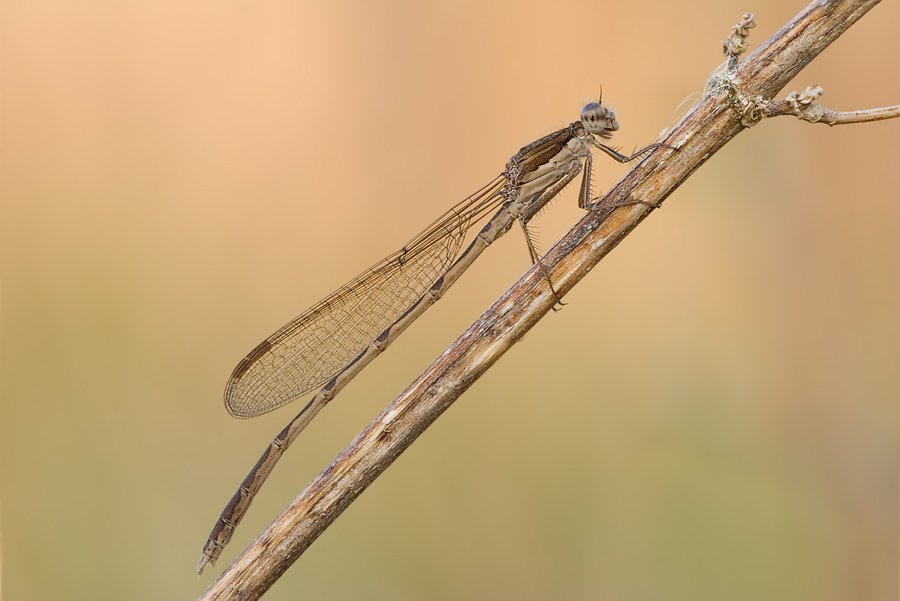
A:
735,98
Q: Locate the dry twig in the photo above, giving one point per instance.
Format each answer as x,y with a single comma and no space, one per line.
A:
737,97
801,105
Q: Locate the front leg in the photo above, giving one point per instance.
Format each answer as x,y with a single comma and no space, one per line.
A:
584,193
615,155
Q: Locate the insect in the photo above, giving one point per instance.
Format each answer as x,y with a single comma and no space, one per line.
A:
334,340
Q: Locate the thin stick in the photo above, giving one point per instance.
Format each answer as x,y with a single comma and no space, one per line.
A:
801,105
710,125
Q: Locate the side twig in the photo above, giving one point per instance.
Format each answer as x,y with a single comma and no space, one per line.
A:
735,99
801,105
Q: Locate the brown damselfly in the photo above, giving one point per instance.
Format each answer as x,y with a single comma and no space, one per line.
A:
335,339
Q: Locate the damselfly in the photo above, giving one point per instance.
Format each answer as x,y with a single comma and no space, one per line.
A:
334,340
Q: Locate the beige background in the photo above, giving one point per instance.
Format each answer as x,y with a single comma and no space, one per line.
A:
181,178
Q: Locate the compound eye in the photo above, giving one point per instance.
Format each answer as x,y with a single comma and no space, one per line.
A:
594,118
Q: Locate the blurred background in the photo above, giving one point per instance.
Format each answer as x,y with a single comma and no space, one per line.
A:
179,179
